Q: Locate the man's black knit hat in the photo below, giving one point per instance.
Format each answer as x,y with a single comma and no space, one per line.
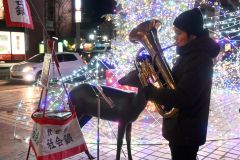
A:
190,21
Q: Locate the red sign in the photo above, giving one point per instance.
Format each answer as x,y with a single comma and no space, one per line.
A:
17,13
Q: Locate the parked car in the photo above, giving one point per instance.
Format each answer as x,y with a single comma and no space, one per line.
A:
30,70
88,55
101,49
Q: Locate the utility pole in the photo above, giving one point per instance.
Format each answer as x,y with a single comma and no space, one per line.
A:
44,27
78,17
49,21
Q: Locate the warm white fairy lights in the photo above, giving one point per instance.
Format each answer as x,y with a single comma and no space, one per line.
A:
227,69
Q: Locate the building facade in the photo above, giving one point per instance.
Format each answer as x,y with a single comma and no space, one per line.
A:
51,18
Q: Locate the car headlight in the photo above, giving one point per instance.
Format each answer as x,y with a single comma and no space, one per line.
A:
11,68
27,69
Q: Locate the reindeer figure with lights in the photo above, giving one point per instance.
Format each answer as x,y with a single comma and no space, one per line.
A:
121,106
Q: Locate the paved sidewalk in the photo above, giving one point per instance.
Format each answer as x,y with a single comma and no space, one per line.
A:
13,149
147,143
10,148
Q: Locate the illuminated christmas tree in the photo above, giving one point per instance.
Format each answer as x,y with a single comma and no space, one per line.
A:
227,69
131,13
223,27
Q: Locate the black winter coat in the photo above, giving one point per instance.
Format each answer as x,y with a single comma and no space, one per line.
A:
192,73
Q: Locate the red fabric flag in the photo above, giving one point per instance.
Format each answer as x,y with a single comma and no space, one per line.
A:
17,13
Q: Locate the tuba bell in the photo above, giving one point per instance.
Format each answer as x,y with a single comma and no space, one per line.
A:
155,69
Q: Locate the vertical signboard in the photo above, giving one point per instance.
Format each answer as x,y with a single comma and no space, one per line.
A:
18,45
17,13
45,70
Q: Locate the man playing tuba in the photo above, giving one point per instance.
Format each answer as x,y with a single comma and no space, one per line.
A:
192,73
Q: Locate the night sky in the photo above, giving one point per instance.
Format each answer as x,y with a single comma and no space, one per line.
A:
94,9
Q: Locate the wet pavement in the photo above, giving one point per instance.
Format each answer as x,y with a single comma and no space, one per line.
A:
19,101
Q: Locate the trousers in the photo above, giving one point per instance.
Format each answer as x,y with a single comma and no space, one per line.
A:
183,152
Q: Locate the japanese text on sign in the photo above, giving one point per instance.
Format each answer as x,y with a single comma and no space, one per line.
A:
20,7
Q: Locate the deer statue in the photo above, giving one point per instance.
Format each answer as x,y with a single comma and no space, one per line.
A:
127,106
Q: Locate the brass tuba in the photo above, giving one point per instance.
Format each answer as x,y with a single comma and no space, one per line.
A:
150,69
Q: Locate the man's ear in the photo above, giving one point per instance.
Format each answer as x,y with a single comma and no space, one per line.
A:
192,37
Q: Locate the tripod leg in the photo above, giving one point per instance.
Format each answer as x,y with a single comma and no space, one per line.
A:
121,131
128,139
89,155
29,148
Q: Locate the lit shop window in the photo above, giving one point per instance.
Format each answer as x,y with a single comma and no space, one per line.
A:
12,45
5,43
18,42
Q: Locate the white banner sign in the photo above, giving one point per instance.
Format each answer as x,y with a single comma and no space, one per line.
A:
57,139
17,13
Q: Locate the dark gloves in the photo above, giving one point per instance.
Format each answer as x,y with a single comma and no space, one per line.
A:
157,95
152,93
149,91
